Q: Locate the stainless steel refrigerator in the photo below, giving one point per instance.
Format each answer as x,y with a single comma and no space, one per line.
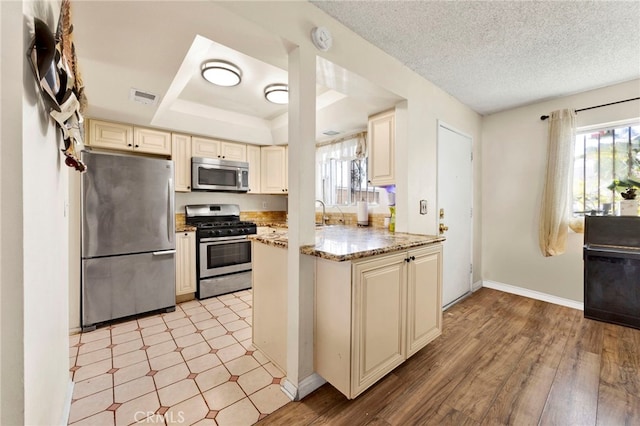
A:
128,237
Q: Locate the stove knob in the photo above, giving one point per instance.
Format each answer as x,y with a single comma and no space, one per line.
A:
217,232
229,231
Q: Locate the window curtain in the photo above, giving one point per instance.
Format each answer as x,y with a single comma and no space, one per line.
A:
361,146
345,150
327,158
556,198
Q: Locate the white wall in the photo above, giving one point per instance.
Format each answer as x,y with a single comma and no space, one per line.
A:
514,149
11,248
35,378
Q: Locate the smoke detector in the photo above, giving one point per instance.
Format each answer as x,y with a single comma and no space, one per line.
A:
330,133
143,97
321,38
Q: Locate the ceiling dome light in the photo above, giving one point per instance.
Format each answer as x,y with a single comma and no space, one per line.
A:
277,93
221,73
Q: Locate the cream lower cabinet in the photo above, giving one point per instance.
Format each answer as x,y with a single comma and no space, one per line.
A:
185,263
269,287
372,314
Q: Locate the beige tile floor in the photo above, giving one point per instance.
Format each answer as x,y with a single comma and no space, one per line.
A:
192,366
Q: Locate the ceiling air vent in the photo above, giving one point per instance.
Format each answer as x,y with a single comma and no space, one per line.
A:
330,133
142,97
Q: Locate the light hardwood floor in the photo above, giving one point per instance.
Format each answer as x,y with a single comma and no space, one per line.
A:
501,359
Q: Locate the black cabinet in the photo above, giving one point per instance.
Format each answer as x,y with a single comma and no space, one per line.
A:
612,269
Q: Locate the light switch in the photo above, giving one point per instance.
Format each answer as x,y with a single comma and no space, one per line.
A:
423,206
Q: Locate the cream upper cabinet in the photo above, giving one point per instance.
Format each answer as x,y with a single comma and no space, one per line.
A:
125,137
181,155
151,141
253,158
382,149
211,148
392,309
104,134
185,263
204,147
233,151
273,170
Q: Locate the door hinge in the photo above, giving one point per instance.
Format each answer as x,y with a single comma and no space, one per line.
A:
472,156
471,211
471,268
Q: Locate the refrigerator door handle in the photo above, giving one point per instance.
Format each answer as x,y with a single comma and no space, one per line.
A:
163,252
170,217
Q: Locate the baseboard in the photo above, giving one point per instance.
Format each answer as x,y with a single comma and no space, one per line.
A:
533,294
66,410
476,286
304,388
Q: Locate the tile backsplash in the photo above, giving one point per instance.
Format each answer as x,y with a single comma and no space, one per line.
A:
376,220
262,216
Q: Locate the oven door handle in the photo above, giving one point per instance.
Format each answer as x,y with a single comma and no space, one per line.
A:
223,240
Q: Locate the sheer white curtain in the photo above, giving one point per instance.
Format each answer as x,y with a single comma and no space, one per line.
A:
331,169
556,199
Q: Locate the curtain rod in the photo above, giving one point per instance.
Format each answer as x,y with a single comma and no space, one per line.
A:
544,117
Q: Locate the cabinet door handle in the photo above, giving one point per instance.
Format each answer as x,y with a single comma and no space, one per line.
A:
413,258
129,144
137,146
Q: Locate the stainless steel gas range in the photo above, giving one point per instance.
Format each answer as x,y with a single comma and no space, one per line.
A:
223,252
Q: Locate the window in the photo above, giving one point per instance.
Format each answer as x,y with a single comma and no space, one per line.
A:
341,178
601,158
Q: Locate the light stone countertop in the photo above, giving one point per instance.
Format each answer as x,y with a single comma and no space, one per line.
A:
341,243
185,228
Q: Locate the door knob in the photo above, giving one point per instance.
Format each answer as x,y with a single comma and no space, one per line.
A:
442,228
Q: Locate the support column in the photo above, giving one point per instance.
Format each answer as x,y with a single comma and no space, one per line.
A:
302,122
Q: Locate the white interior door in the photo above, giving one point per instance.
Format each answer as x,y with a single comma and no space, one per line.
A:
455,195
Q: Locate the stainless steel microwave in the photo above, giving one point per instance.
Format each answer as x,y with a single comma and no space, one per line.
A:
208,174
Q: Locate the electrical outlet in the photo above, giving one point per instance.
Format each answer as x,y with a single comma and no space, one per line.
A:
264,204
423,206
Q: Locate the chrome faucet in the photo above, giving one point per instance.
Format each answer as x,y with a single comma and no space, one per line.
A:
324,213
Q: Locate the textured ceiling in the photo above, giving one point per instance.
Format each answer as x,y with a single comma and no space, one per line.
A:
497,55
